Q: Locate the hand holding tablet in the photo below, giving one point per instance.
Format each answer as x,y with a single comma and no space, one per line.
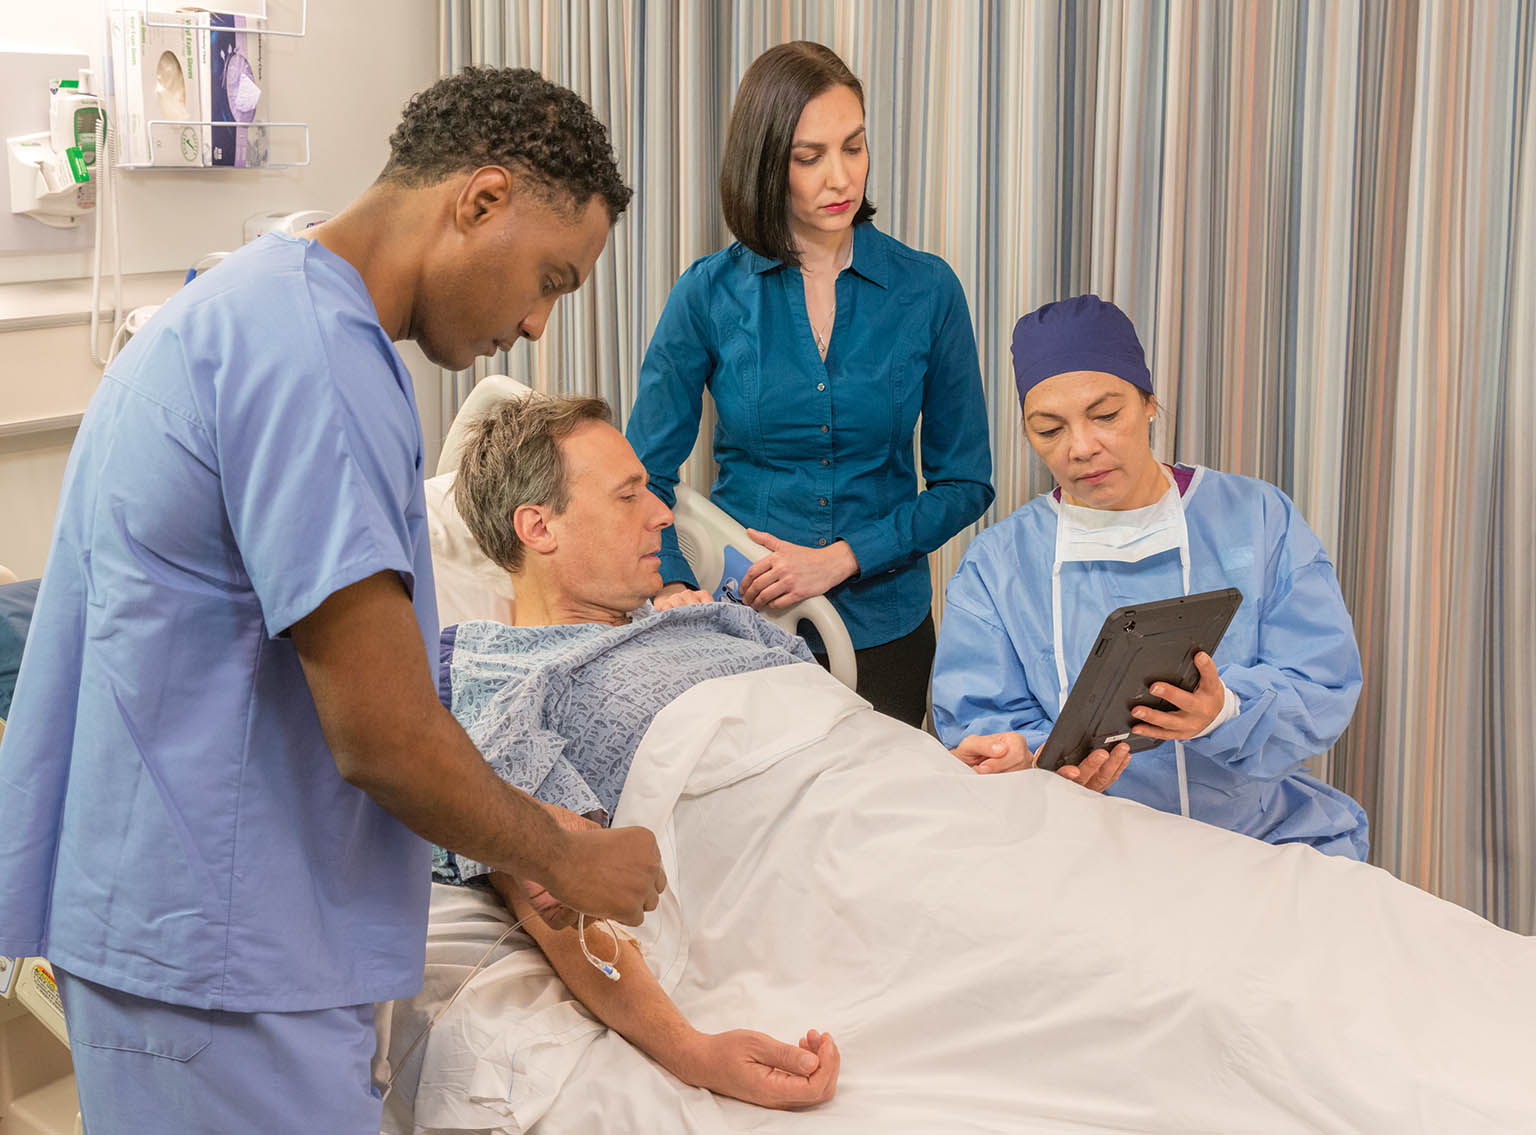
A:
1138,647
1189,712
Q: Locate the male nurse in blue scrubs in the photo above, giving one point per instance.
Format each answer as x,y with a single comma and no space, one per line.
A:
226,756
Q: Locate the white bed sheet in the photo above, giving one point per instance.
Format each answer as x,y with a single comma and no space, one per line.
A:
991,953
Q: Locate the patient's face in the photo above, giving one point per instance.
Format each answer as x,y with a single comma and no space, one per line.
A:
501,277
610,532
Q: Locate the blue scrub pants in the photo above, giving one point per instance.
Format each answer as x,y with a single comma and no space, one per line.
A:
149,1068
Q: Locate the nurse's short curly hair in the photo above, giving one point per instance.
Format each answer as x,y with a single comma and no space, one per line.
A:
511,117
513,458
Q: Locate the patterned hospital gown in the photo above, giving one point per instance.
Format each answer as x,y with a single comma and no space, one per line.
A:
559,711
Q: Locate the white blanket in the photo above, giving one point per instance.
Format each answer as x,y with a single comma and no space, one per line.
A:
1005,953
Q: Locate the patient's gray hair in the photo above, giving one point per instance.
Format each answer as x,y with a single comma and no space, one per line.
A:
512,458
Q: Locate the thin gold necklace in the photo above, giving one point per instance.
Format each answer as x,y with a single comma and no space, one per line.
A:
824,337
821,337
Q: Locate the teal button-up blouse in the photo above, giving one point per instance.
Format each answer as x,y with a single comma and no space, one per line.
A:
813,451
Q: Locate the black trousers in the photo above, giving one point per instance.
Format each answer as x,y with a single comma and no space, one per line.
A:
894,676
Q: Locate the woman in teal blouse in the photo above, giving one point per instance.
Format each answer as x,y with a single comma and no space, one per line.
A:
822,341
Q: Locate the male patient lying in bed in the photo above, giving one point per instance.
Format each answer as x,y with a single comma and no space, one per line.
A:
559,703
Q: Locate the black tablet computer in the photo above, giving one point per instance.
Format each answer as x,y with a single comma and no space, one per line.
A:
1138,645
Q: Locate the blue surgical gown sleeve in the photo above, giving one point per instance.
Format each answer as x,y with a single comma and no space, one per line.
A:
957,457
664,423
979,681
1300,692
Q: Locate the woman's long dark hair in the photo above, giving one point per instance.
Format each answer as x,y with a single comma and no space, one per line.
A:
754,174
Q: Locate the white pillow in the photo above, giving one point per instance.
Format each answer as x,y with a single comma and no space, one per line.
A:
469,585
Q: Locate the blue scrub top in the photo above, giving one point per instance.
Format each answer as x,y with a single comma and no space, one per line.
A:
1289,656
172,823
815,451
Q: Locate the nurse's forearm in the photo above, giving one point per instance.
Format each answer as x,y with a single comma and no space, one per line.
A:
440,787
367,670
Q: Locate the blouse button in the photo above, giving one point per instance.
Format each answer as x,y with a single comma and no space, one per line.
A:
821,541
821,386
823,429
824,461
822,501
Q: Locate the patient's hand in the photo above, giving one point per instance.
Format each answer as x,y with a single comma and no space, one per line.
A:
750,1066
679,595
743,1064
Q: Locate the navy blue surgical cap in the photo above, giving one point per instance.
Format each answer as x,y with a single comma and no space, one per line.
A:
1081,333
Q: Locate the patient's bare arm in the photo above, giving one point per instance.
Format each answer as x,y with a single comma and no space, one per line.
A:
743,1064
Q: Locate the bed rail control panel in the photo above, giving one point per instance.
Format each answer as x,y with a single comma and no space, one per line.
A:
34,987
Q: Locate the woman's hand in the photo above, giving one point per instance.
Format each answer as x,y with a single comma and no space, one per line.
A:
1099,769
1193,710
792,572
679,595
750,1066
1005,752
994,752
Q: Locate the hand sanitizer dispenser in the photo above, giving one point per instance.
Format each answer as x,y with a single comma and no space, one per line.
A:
51,170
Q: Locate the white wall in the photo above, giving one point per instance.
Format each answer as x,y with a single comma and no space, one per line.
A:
348,77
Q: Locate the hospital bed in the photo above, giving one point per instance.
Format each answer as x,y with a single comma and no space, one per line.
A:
37,1084
708,536
993,954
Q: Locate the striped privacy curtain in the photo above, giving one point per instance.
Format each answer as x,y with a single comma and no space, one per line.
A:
1321,216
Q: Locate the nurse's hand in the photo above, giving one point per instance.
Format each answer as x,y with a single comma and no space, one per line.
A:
1193,709
608,873
556,915
792,572
1004,752
1099,769
994,752
679,595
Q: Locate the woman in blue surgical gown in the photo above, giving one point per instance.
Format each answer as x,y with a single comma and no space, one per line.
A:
1032,592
